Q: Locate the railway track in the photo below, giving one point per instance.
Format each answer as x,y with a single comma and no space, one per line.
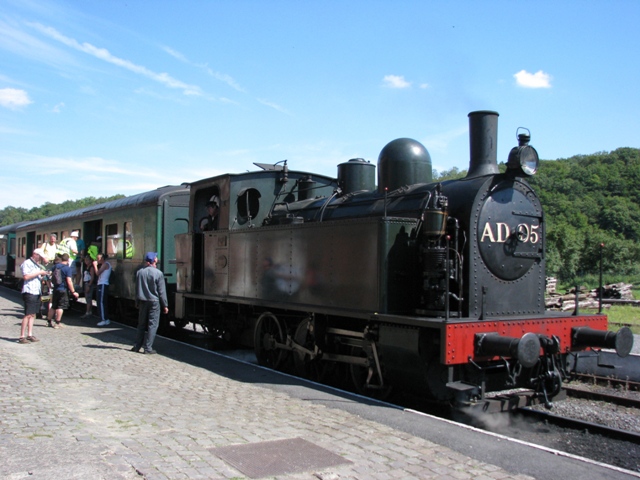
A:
595,423
586,427
612,381
622,399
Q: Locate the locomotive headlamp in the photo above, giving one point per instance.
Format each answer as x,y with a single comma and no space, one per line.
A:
524,157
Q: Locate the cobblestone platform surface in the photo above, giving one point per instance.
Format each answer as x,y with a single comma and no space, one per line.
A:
79,404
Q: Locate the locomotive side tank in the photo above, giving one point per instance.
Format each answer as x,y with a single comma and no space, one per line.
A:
435,288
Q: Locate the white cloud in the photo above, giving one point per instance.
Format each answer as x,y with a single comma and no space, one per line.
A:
105,55
58,108
223,77
273,105
395,81
13,98
533,80
13,39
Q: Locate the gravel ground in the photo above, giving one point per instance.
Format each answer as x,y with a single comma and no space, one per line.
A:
614,416
585,444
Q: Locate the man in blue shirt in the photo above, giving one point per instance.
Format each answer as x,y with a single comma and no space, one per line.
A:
151,297
62,284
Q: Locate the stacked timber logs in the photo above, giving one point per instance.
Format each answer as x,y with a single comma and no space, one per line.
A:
552,282
618,293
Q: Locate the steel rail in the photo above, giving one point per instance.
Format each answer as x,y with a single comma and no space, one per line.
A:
588,427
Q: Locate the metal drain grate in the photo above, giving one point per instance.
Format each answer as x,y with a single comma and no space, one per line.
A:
278,457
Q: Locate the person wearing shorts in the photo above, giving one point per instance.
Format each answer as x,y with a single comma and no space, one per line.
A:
60,295
32,272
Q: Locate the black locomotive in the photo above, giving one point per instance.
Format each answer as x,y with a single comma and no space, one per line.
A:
435,288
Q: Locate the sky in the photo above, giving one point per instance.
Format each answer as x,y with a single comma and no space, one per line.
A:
101,98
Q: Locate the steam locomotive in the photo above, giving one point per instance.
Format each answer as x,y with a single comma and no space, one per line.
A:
431,288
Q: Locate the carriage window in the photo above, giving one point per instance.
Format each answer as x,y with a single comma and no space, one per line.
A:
248,203
128,240
39,240
23,247
114,242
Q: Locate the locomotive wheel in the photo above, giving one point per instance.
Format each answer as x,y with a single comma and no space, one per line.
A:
313,369
269,331
359,376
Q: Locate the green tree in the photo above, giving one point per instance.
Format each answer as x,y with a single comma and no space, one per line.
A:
10,215
591,200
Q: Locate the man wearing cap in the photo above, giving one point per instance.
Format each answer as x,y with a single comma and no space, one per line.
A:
151,297
210,222
32,273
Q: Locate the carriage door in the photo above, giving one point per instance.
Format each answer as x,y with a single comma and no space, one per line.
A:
202,230
31,243
90,233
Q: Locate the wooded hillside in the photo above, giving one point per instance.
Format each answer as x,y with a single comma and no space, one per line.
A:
591,200
10,215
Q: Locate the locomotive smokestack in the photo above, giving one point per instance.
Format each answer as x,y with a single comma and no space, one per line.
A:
483,143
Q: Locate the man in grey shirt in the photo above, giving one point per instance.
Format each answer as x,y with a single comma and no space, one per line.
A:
151,296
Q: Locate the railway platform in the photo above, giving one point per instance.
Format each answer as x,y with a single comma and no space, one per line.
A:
80,404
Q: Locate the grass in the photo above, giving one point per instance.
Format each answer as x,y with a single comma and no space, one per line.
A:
624,315
619,315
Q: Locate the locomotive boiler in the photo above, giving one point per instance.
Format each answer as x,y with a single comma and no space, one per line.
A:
433,288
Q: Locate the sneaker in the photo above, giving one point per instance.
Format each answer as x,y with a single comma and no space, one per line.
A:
23,340
104,323
86,315
150,352
32,339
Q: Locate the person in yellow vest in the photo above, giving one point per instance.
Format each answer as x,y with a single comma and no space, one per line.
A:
128,247
69,245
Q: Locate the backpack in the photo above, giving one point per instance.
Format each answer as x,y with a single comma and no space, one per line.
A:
56,277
